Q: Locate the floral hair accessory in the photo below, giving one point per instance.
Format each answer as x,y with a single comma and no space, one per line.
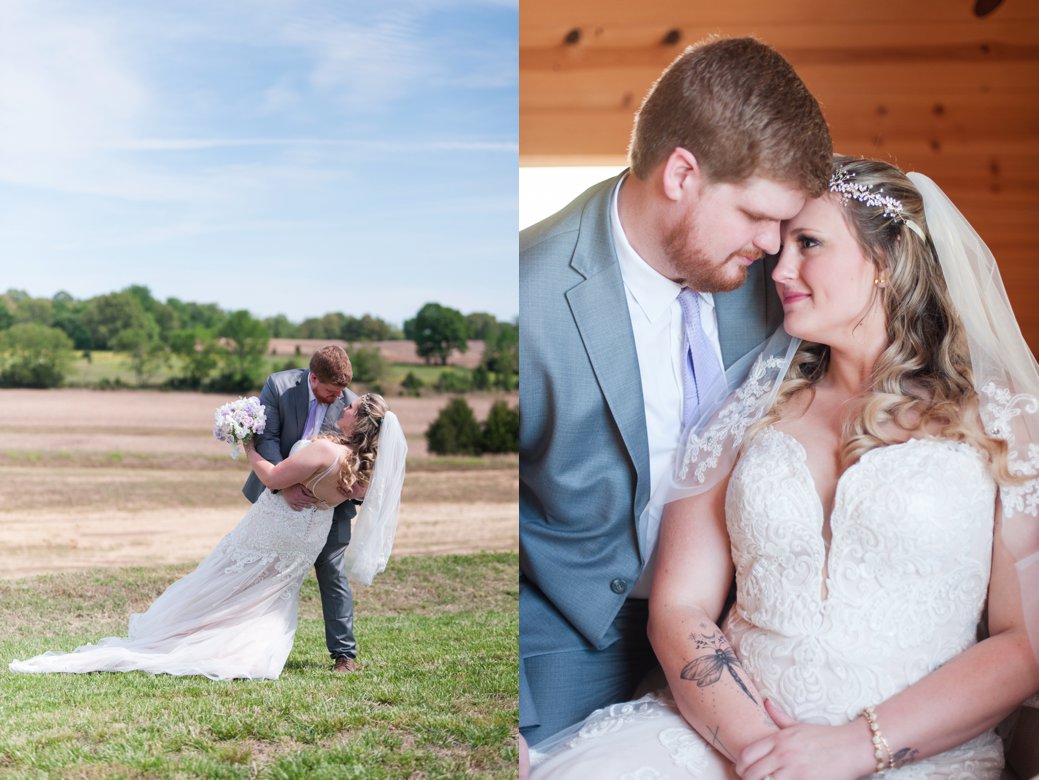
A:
842,183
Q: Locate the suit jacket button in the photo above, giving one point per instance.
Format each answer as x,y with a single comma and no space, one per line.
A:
619,586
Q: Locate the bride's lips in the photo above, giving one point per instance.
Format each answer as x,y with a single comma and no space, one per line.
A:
792,296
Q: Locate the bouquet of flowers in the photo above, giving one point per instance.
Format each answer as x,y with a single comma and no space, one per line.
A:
236,422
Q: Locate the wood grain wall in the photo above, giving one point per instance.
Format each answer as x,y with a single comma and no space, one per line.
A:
925,84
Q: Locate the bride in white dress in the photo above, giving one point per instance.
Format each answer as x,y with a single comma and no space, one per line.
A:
883,495
235,615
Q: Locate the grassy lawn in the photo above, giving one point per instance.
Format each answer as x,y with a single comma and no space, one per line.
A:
436,696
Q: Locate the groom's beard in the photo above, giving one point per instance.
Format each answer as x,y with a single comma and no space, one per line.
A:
698,271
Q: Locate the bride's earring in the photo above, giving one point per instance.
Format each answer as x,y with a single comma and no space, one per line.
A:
880,281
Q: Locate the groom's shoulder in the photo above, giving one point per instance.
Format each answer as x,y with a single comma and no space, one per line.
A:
560,231
283,380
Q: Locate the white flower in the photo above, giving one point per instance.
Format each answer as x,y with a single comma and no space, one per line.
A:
236,422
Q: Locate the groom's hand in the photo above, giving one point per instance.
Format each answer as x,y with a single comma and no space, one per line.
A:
355,493
298,498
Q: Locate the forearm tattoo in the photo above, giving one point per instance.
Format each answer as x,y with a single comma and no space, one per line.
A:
717,744
903,757
709,667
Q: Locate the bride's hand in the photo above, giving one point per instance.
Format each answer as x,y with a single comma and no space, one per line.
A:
804,751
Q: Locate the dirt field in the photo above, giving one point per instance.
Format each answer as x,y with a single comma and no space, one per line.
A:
90,478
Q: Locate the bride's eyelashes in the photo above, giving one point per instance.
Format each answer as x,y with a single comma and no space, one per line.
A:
805,241
801,240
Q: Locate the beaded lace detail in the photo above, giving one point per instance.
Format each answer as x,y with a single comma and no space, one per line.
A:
275,539
728,429
1000,408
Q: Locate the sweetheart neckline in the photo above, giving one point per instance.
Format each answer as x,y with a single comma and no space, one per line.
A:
825,521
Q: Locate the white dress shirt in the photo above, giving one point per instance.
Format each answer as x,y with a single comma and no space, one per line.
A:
656,320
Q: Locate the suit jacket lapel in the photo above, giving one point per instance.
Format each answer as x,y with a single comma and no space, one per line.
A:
299,406
600,310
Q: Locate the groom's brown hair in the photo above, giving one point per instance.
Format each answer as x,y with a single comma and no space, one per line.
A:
741,110
331,365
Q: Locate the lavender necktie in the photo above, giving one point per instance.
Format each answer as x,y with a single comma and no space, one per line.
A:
700,368
308,428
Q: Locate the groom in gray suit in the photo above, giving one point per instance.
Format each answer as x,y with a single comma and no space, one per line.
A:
642,287
301,404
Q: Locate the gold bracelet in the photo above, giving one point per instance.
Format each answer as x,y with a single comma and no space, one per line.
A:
880,745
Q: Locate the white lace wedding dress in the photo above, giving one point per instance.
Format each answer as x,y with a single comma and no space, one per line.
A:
908,570
233,616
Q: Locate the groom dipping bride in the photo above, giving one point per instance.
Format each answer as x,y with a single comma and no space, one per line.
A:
235,616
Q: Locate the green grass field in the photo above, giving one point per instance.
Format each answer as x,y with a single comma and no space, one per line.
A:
436,696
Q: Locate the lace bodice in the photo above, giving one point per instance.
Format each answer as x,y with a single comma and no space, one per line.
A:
908,569
906,575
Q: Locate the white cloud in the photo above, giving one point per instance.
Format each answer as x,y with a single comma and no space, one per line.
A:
65,88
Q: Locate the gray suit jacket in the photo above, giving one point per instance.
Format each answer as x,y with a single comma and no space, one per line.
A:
584,454
286,398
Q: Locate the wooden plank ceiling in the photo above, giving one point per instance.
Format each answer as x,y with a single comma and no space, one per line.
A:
926,84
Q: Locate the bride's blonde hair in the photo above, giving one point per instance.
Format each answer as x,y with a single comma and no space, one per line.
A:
922,381
363,442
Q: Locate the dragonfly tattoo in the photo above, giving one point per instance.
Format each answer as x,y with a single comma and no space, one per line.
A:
708,669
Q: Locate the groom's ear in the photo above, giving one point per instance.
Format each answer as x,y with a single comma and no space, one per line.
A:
682,175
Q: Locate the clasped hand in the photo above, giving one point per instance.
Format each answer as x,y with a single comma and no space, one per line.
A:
298,497
804,751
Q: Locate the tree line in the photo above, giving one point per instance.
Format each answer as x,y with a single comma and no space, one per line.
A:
214,349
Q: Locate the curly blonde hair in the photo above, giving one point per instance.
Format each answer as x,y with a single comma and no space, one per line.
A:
363,442
923,380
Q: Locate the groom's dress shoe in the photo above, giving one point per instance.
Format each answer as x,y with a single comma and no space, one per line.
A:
344,665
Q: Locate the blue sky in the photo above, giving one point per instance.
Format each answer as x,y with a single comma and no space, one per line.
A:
282,156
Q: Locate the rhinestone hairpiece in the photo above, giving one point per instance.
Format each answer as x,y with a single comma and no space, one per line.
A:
841,183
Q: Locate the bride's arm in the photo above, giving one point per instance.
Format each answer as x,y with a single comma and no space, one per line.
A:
965,697
295,469
694,571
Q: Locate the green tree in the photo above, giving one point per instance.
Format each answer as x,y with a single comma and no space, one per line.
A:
481,378
280,327
368,328
501,354
377,329
244,343
197,315
146,351
412,384
165,316
481,324
312,328
34,355
501,429
107,315
454,431
199,356
437,332
368,363
457,381
6,317
68,316
38,310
